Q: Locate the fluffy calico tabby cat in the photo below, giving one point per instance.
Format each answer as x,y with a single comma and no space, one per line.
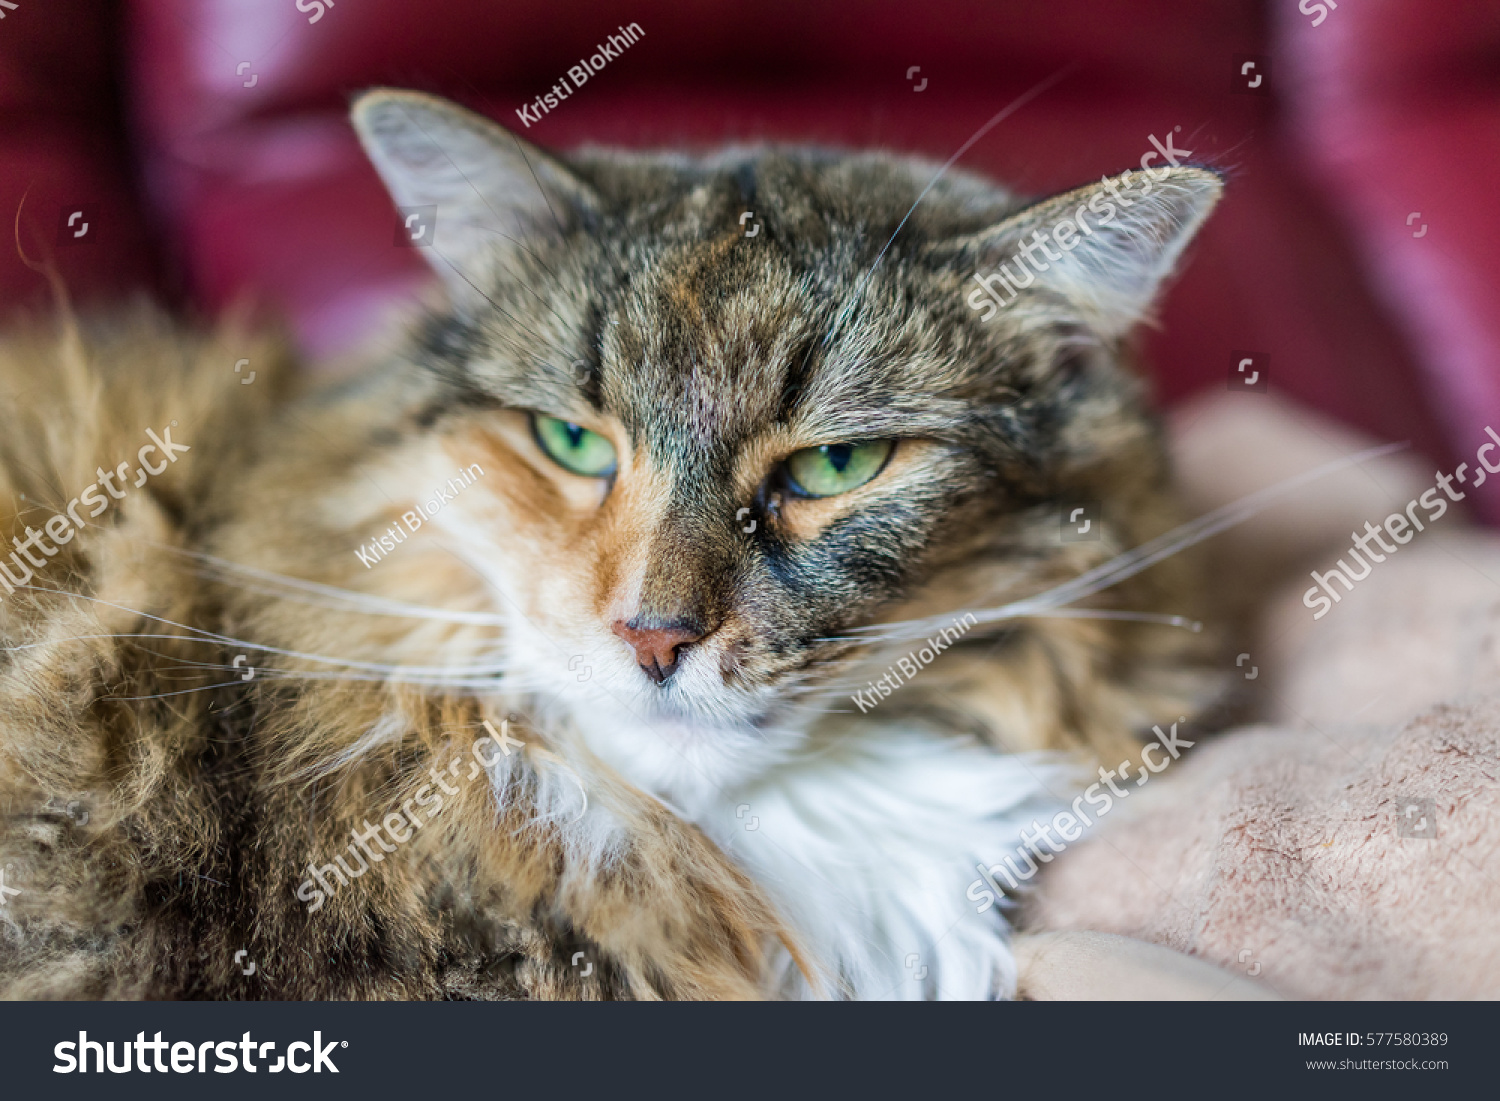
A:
616,527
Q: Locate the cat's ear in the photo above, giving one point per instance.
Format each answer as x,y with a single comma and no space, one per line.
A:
484,189
1106,248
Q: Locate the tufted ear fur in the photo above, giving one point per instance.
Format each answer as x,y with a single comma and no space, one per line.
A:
1106,249
489,190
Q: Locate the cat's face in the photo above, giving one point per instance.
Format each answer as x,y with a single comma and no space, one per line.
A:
709,452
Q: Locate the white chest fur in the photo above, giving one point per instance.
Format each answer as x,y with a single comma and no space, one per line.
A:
867,845
866,839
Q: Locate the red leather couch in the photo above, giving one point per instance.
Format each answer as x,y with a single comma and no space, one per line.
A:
206,145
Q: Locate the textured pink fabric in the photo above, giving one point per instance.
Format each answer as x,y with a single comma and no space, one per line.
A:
1278,856
1349,847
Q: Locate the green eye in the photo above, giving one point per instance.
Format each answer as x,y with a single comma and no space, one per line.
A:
573,447
836,468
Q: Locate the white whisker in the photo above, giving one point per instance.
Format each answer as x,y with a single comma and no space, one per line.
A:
356,601
1134,561
210,636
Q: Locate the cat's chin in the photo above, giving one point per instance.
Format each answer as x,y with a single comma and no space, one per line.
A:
692,762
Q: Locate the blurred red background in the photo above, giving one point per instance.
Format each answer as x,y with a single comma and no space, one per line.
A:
1358,249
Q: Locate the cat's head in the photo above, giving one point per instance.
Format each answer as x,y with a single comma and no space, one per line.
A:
729,409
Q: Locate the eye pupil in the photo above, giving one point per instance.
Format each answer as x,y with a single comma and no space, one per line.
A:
833,468
573,447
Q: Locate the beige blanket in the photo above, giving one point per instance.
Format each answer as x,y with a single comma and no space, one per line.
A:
1348,845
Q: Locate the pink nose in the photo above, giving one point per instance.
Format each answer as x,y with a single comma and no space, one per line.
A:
656,648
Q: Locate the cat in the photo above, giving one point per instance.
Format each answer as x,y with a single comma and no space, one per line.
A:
560,653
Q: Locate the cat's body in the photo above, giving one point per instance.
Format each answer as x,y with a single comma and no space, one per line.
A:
709,815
